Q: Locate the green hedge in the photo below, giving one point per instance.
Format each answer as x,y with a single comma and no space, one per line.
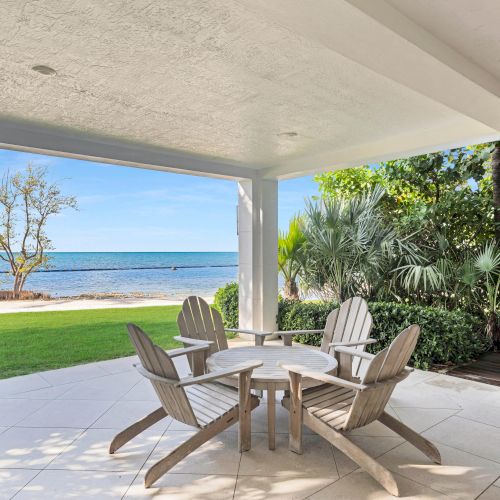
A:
226,302
446,336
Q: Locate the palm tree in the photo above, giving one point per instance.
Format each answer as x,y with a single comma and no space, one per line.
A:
351,250
290,256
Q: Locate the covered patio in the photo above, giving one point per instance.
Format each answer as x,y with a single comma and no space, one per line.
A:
56,427
257,92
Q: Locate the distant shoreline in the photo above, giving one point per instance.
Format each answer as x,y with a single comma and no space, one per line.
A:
99,301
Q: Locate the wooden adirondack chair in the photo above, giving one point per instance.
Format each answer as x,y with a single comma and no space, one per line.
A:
200,402
348,326
201,324
340,405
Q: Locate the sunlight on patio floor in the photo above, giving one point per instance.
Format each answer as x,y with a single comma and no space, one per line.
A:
55,428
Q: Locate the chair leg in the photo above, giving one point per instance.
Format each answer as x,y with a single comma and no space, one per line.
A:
182,451
370,465
425,446
135,429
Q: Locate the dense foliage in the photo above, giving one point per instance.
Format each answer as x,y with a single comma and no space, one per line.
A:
226,302
442,204
446,337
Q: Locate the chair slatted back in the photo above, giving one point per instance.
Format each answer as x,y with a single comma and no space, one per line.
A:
155,360
351,322
384,367
197,320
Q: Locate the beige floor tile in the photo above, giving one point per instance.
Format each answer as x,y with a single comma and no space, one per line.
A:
13,480
185,487
118,365
462,475
64,484
269,487
90,452
73,374
33,447
483,413
23,383
218,456
63,413
316,460
48,393
497,482
375,446
109,388
124,413
420,419
418,376
465,392
142,391
473,437
14,410
492,493
361,486
423,396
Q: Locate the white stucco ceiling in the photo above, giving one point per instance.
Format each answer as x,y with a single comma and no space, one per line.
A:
216,86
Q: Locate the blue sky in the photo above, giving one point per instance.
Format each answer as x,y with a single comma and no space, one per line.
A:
132,209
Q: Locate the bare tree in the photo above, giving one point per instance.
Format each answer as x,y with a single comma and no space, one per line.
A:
27,200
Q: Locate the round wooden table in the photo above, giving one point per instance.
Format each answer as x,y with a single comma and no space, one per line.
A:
270,376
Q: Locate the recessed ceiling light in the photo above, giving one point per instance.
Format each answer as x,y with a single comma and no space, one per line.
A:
44,70
288,134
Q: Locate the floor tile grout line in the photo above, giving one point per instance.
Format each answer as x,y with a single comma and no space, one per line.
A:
487,487
28,482
237,475
476,421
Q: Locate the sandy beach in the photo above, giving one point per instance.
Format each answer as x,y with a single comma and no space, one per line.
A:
75,304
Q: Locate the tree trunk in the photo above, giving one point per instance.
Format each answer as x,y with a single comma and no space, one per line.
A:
495,174
493,329
291,290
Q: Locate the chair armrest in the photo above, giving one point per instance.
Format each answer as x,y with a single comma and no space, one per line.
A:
174,353
250,332
354,352
227,372
353,343
298,332
153,376
322,377
195,342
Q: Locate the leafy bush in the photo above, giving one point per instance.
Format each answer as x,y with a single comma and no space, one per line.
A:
226,302
446,336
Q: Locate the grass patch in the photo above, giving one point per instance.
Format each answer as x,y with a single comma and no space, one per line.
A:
37,341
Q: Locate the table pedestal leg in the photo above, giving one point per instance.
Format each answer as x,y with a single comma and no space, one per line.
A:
271,416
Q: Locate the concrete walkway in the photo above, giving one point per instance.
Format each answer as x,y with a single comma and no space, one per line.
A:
55,428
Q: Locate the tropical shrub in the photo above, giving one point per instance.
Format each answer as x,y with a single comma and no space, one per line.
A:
226,302
350,250
447,337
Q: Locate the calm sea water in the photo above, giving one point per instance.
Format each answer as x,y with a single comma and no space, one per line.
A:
77,273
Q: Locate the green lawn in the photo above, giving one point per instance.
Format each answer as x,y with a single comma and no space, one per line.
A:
32,342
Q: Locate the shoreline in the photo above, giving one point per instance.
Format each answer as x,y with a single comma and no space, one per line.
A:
86,302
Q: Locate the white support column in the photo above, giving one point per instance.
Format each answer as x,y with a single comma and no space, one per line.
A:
258,253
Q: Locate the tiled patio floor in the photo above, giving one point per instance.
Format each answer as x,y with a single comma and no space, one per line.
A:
55,428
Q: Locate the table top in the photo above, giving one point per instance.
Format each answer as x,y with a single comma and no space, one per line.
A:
270,373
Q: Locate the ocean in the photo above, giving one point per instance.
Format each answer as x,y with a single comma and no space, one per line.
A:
173,275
